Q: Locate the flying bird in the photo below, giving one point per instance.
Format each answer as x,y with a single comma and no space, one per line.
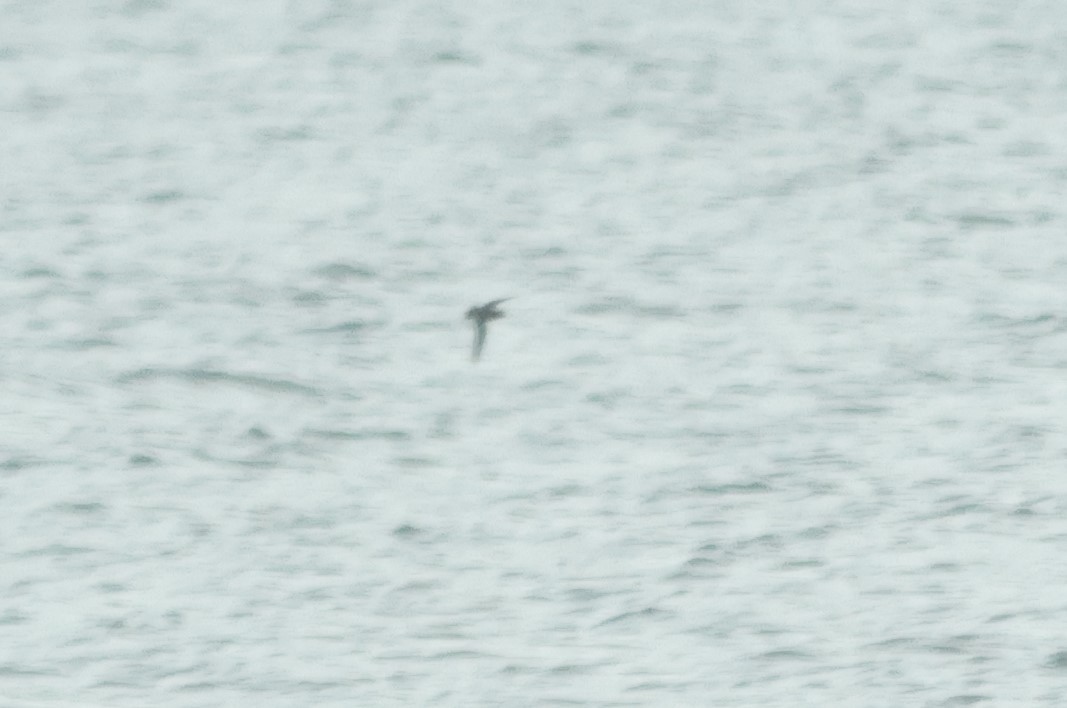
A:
479,316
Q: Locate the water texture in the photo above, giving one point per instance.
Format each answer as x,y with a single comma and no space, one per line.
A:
776,416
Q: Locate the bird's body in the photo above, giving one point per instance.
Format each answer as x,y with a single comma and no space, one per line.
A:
479,316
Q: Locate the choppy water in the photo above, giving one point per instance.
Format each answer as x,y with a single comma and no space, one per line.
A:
776,418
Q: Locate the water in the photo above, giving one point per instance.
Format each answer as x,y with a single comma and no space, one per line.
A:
776,417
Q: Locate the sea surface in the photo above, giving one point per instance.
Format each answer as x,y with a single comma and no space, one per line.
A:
777,415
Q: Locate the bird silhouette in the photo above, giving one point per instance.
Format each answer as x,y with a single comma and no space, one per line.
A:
479,316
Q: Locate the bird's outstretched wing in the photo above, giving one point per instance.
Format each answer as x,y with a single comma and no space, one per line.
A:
479,340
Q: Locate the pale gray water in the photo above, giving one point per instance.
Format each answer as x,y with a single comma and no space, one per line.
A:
777,416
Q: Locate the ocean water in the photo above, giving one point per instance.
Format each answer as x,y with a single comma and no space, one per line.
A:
776,417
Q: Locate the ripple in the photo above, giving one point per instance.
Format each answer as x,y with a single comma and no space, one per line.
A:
211,376
345,271
366,434
1058,660
732,488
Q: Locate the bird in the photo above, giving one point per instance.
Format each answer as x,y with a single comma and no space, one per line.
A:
479,316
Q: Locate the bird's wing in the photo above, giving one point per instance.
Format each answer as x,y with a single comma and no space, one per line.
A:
494,303
479,340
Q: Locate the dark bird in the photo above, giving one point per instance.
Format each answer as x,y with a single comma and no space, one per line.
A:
479,316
